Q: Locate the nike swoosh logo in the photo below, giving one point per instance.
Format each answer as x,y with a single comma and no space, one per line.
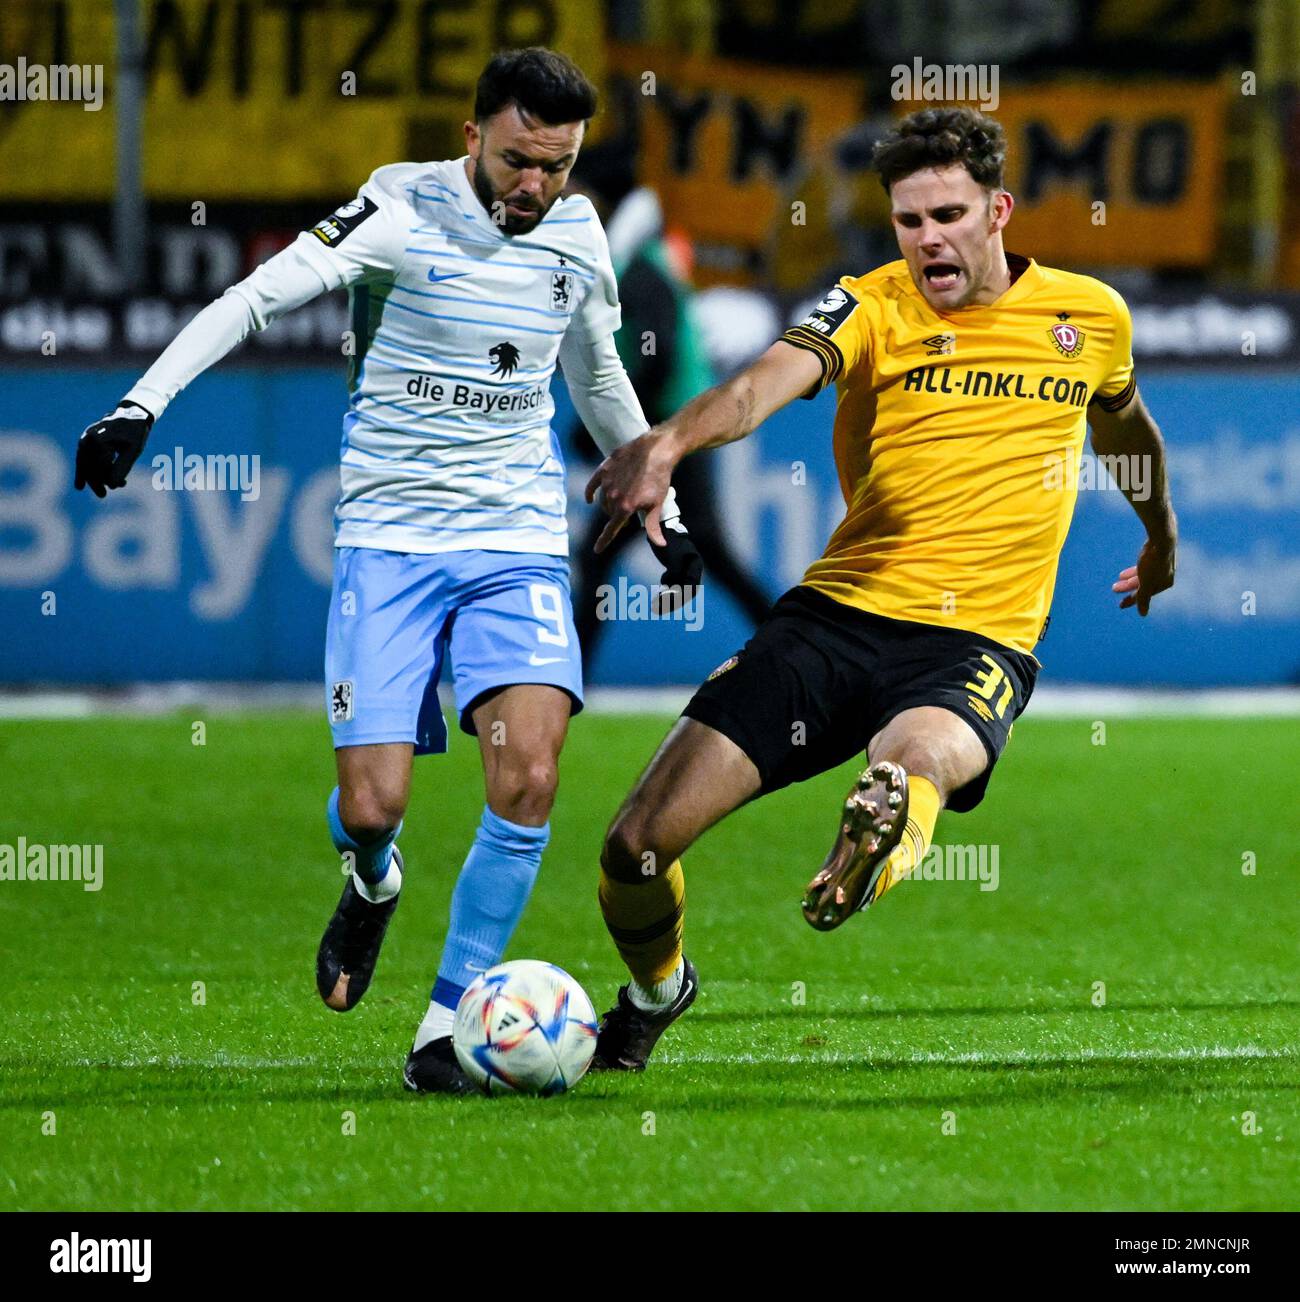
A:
535,659
434,278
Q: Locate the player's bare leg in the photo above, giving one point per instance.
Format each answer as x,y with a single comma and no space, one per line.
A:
881,837
521,730
374,786
696,778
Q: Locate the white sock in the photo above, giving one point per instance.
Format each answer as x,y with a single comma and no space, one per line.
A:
655,998
437,1024
381,890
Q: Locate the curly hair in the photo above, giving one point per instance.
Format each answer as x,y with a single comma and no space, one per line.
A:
941,137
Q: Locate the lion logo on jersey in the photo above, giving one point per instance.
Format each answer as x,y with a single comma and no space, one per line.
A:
561,290
506,358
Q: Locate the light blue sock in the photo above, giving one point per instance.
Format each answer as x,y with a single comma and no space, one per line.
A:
370,861
488,901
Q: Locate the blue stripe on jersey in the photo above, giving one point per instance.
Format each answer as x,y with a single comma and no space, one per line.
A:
506,524
434,460
423,462
464,363
474,320
482,302
497,507
494,262
463,239
431,444
425,416
430,198
367,418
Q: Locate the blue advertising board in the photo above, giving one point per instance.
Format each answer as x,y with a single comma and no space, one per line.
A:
160,582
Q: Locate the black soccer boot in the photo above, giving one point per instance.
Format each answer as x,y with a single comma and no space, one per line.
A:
434,1069
628,1035
349,948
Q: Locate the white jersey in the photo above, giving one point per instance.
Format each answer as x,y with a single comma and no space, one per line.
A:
447,443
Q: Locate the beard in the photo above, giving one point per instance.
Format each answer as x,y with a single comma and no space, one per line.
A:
488,197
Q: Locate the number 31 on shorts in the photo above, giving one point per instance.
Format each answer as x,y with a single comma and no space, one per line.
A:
987,681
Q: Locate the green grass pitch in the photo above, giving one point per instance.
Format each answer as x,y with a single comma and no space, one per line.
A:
815,1071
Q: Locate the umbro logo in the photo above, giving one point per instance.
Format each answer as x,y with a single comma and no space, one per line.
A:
940,345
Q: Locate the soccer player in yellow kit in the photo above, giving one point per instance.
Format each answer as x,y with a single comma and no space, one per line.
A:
965,377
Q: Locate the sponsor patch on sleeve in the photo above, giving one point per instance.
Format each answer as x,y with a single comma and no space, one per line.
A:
831,313
343,221
816,332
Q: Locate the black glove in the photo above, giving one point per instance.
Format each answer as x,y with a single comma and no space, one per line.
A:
109,448
683,566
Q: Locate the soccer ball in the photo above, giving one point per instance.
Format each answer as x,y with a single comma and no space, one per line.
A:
525,1027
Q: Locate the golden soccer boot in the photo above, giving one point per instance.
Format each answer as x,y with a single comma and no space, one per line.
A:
854,875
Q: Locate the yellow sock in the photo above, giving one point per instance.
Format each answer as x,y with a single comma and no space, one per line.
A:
645,920
923,805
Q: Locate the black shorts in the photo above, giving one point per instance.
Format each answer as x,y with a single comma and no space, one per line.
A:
819,679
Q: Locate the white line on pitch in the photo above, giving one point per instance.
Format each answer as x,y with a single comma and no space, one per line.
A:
1049,702
1013,1058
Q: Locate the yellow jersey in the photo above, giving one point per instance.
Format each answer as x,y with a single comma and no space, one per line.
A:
958,437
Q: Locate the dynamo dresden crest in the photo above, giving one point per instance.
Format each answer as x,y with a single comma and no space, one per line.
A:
1068,339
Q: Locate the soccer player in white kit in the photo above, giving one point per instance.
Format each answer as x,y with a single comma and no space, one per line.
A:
468,279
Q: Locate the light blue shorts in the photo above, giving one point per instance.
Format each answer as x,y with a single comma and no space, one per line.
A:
507,617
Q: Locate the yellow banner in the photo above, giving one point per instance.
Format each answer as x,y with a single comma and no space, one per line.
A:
259,99
1107,175
728,145
741,155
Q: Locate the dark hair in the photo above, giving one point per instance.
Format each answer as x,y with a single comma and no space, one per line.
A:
940,137
548,85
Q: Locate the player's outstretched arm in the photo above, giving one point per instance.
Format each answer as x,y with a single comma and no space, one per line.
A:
110,447
607,404
1131,434
364,237
636,477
